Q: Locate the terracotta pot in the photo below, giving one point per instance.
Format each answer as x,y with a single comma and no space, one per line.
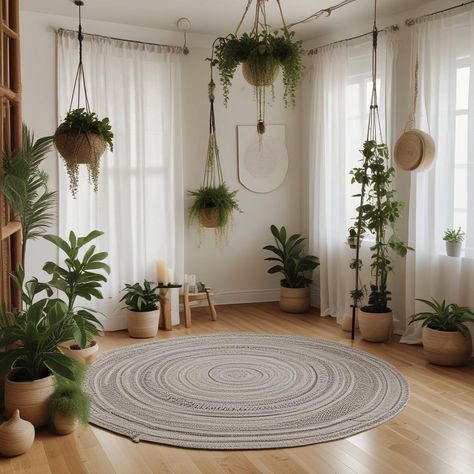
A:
445,348
294,300
143,325
208,217
347,322
453,249
87,355
65,424
31,398
375,327
82,148
16,436
262,74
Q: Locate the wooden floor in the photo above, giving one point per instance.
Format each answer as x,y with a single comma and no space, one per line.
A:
435,432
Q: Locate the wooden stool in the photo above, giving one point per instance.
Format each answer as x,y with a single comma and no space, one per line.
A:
188,298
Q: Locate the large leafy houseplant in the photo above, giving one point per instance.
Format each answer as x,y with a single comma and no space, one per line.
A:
262,52
81,276
82,139
377,214
293,261
141,298
25,186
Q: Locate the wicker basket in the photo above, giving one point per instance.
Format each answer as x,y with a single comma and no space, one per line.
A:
208,217
415,150
263,74
82,148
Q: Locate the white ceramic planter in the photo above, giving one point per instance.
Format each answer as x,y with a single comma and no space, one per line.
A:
375,327
143,325
453,249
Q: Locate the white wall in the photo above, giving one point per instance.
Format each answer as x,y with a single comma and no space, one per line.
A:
238,272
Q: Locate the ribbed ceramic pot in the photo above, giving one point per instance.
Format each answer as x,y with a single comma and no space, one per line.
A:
86,355
16,435
144,324
294,300
375,327
445,348
65,424
31,398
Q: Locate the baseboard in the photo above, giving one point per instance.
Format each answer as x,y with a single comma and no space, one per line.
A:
246,296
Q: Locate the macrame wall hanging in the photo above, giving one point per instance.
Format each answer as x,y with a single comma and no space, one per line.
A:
82,138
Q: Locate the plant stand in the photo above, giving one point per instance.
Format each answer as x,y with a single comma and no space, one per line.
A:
165,306
188,298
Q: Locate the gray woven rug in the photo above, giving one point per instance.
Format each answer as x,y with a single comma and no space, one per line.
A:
242,391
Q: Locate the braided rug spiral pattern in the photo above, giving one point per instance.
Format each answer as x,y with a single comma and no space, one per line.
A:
242,391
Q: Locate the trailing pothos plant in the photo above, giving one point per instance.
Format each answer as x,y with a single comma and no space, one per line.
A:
263,51
376,215
293,262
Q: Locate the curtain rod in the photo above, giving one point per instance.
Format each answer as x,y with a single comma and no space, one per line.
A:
412,21
178,48
312,51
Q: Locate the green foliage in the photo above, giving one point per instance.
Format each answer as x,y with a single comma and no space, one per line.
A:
25,186
79,277
454,235
445,317
277,48
36,332
69,400
293,261
220,197
81,121
377,216
140,298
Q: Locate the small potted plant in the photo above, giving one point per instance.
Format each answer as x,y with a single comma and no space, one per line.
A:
454,239
294,264
446,339
69,405
352,238
143,315
213,206
82,139
81,276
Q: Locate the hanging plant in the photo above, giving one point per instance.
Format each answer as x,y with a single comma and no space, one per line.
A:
82,139
261,53
213,203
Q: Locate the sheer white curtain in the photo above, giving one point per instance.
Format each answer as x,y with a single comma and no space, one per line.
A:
140,202
341,85
443,197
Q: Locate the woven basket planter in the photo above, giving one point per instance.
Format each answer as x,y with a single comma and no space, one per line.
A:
208,217
263,74
81,148
415,150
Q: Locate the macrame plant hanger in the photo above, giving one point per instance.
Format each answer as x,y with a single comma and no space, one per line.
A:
80,80
374,130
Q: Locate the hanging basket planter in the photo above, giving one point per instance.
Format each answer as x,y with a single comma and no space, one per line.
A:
80,148
260,71
208,217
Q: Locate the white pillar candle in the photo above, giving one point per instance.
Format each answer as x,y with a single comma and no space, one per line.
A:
170,275
161,271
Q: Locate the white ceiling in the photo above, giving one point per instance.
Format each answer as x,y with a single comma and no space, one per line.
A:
218,17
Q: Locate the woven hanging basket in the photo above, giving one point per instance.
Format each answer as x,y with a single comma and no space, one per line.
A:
81,148
263,73
415,150
208,217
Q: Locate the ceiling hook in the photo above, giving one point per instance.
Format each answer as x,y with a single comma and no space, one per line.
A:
184,25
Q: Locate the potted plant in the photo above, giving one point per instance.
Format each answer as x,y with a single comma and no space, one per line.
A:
293,264
30,368
81,276
69,405
143,314
377,214
213,206
454,239
352,238
82,139
446,339
261,54
25,186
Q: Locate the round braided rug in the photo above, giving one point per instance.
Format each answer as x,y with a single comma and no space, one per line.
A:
242,391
